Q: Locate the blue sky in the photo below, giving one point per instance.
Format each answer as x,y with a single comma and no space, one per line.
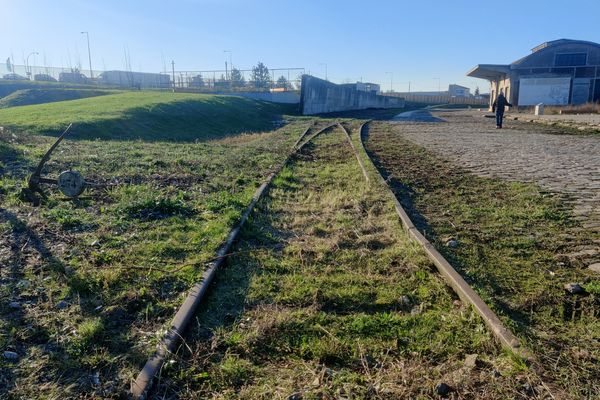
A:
415,40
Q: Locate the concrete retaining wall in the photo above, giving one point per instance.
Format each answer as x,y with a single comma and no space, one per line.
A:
319,96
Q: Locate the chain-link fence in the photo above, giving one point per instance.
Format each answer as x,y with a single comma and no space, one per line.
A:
239,80
210,81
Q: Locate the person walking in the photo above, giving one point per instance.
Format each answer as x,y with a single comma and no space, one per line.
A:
498,107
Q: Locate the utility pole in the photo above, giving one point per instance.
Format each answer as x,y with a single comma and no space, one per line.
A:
226,73
173,72
439,85
89,53
391,81
230,59
325,64
27,68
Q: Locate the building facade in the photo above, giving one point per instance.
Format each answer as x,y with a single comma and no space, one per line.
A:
558,72
458,91
364,87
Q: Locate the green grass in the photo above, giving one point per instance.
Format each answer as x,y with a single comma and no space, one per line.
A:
146,116
121,258
512,240
26,97
328,298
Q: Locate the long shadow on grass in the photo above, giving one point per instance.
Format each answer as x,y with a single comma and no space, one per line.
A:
183,121
64,367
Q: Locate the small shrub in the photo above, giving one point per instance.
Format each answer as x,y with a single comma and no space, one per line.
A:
88,333
235,371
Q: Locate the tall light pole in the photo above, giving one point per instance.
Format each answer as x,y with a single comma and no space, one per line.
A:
391,81
325,64
409,82
89,53
230,58
439,85
28,70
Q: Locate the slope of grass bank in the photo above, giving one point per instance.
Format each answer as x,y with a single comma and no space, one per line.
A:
146,116
25,97
512,244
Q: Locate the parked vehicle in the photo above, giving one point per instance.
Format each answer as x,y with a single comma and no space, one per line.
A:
14,77
44,77
73,77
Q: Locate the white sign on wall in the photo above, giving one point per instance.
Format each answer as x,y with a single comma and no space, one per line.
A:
551,91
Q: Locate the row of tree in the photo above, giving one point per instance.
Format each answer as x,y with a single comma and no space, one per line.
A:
260,78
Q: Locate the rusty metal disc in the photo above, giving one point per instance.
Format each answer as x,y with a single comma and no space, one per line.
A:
71,183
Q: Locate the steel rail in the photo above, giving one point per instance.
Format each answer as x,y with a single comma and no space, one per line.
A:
360,162
169,342
453,278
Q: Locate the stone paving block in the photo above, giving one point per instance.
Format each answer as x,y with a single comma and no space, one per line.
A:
567,164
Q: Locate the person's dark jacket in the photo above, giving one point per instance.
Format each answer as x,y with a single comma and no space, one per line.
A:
500,103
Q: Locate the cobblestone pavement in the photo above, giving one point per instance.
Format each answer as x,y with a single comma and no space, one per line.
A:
521,151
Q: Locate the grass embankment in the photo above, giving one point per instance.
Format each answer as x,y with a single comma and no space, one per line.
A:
326,297
39,96
146,116
512,240
87,286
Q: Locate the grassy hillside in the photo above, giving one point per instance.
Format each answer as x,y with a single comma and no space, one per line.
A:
146,116
26,97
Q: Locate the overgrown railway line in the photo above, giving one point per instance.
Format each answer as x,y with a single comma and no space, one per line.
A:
183,316
169,343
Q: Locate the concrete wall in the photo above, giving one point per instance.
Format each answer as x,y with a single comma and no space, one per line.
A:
319,96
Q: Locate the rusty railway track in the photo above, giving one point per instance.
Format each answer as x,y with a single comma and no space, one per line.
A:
167,345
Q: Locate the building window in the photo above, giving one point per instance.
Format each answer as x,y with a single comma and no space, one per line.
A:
585,72
570,59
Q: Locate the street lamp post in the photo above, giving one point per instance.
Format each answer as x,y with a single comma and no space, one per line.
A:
230,59
325,64
391,81
27,68
89,53
439,85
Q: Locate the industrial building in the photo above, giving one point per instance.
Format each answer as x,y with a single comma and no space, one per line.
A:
558,72
458,91
129,79
364,87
